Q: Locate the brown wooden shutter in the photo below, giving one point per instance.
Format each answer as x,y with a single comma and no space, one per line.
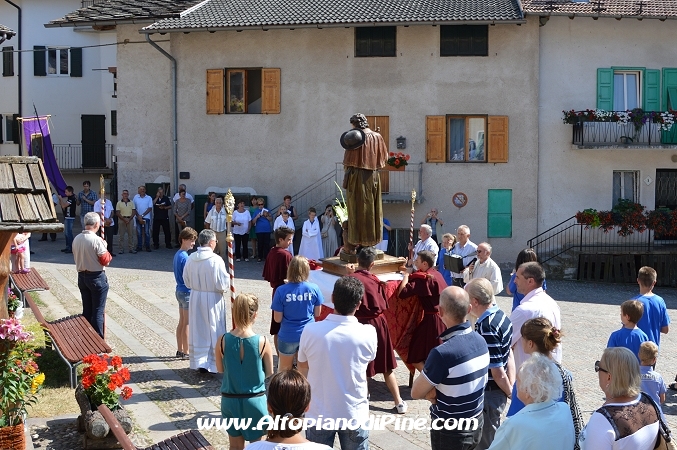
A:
497,144
215,91
270,92
435,139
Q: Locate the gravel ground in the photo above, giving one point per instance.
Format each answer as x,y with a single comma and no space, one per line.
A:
142,316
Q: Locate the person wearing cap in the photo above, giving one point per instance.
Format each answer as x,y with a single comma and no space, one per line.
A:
366,153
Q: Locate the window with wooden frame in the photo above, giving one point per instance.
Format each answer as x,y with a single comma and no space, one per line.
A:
467,138
464,40
243,91
375,41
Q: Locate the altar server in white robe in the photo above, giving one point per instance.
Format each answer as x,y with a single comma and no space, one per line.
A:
311,242
206,276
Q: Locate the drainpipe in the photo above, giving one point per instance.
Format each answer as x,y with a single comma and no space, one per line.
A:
174,110
19,36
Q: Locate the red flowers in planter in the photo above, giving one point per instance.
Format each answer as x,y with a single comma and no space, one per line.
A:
629,217
103,377
398,160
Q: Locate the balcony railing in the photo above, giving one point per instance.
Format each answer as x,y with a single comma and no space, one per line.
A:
72,157
609,131
86,3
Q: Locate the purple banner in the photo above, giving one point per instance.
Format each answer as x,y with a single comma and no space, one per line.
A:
36,130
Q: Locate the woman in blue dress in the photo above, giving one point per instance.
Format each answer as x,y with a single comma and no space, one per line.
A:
246,360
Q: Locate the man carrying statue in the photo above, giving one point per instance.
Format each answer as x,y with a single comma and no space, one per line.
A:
366,153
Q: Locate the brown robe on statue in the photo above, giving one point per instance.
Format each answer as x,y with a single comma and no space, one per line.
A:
363,189
370,312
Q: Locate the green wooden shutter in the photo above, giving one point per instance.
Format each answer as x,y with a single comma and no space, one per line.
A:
2,127
652,90
605,89
499,216
8,61
76,62
669,81
15,129
39,61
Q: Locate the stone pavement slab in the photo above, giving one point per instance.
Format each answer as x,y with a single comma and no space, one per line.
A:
142,315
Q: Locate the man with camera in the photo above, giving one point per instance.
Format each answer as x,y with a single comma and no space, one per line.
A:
464,248
435,223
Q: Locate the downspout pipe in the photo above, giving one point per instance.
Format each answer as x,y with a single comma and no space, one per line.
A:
19,36
174,110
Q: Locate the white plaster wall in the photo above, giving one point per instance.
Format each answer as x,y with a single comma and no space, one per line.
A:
144,144
9,85
570,179
65,98
323,84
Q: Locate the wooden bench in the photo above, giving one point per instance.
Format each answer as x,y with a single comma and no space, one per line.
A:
189,440
28,282
72,337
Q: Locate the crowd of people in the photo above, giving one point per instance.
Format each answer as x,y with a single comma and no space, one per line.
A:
473,358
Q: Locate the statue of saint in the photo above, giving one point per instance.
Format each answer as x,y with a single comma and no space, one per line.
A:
365,153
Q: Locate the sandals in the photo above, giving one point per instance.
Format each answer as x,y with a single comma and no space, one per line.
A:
672,386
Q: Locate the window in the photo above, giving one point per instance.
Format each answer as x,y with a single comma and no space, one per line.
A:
626,186
12,128
243,91
464,40
467,138
113,123
57,61
8,61
375,41
499,213
627,92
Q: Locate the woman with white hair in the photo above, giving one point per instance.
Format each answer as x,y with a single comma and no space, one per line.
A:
544,422
628,419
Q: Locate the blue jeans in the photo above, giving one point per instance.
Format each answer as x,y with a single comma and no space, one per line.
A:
457,439
349,439
68,231
140,231
93,290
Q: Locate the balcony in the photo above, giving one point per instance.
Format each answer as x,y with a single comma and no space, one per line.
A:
73,158
622,129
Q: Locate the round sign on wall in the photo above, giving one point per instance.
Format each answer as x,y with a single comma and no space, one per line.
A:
459,199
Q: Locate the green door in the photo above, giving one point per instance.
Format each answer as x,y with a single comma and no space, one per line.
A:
93,141
499,216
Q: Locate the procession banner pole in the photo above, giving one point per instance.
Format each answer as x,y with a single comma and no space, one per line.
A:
230,207
411,228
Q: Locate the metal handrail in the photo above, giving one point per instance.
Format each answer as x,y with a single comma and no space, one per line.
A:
549,230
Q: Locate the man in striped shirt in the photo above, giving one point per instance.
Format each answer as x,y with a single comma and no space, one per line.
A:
454,377
496,329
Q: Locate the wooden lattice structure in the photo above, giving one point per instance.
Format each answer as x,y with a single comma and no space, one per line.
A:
25,206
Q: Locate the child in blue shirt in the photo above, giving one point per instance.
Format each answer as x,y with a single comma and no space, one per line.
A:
629,336
295,304
652,381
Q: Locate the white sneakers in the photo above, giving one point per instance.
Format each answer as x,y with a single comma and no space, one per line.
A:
402,407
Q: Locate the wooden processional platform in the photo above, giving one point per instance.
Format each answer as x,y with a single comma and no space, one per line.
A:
336,266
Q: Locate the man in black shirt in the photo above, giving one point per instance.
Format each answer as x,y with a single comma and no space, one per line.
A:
68,205
161,207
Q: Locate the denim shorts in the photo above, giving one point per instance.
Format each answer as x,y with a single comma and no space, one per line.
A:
287,348
182,298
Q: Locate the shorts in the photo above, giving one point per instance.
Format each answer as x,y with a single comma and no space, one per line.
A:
287,348
182,298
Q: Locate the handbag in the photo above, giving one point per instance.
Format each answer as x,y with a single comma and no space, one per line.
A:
664,439
570,399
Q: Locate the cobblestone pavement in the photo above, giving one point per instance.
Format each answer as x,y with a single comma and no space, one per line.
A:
142,315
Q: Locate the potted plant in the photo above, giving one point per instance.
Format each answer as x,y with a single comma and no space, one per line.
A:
397,161
102,383
14,306
20,382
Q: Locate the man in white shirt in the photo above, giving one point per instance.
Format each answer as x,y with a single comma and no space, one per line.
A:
426,242
536,303
485,267
143,204
107,222
192,207
333,356
465,248
216,221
